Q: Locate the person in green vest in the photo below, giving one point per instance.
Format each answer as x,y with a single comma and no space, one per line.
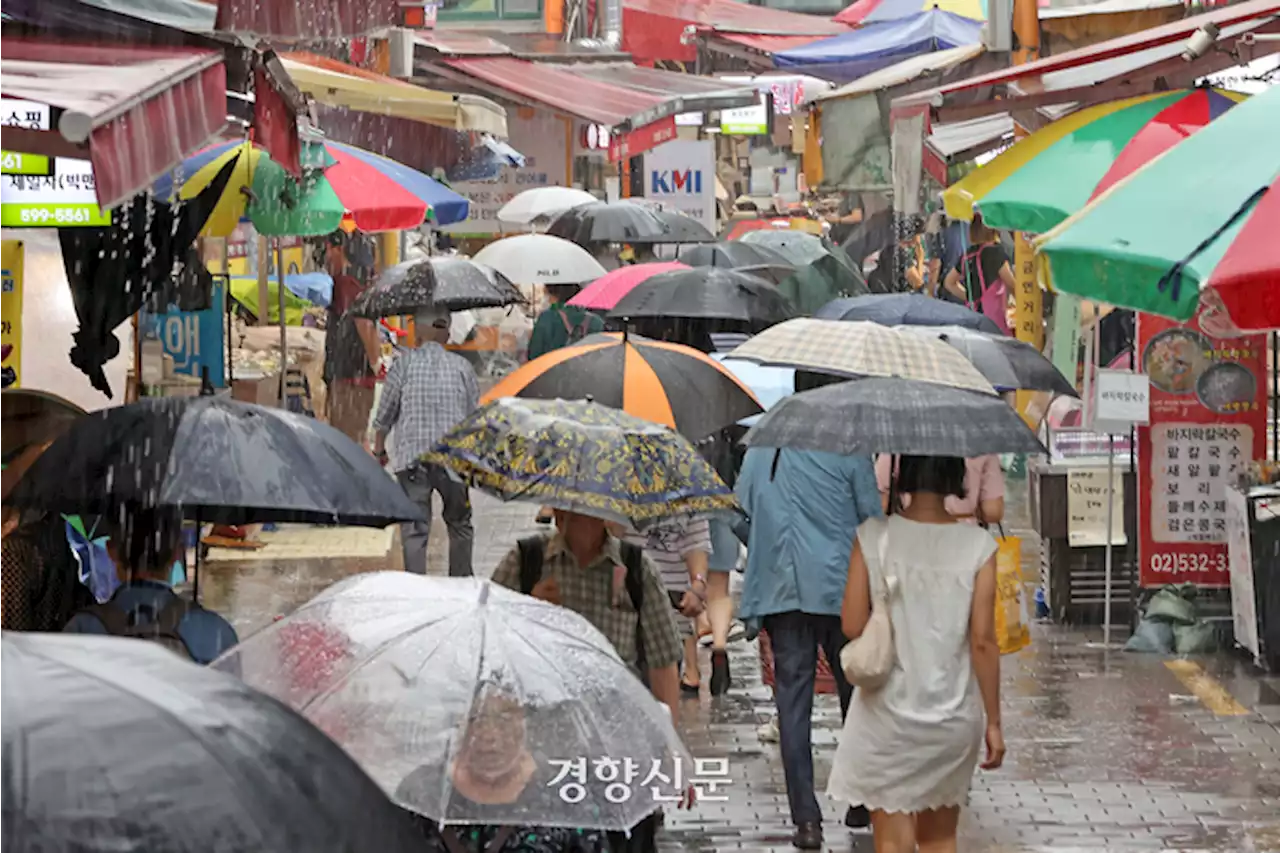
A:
561,324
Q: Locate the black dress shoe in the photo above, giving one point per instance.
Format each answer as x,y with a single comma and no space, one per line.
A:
719,672
857,817
808,836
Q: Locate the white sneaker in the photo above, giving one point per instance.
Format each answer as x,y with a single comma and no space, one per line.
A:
768,733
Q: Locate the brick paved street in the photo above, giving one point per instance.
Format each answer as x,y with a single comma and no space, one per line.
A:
1107,751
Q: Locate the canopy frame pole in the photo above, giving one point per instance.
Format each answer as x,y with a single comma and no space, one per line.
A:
284,330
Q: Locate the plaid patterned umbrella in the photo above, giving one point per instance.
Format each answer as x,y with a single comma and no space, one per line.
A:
859,350
894,416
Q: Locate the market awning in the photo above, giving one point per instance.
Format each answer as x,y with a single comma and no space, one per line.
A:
337,84
653,29
693,93
316,20
903,72
134,112
766,45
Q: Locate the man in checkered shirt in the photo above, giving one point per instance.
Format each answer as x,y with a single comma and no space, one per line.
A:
427,391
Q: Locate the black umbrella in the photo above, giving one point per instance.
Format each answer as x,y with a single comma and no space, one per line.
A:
455,284
1007,363
906,309
900,416
117,744
610,222
707,293
682,228
217,460
798,247
759,261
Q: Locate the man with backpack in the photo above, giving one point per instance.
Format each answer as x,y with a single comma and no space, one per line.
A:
561,324
146,546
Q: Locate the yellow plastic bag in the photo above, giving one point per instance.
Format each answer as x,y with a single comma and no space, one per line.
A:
1012,620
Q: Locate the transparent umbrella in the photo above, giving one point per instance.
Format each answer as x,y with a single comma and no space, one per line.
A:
470,703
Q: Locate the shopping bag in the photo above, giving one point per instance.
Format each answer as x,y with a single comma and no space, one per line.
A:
1012,618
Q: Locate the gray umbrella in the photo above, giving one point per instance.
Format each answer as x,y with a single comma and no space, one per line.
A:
115,744
455,284
610,222
684,228
900,416
1007,363
798,247
760,261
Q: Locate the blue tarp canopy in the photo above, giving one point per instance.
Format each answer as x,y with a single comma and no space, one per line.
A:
844,58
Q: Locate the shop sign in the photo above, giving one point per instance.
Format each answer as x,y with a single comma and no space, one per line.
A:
680,175
644,138
1121,400
194,339
745,121
13,253
62,194
1088,498
1207,422
1244,600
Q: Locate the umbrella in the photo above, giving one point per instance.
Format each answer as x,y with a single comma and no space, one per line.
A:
832,276
1200,220
1051,174
894,416
455,284
906,309
603,293
1007,363
682,228
339,182
798,247
582,457
749,258
112,744
218,460
540,259
666,383
861,349
542,203
874,11
707,293
428,663
610,222
33,417
769,384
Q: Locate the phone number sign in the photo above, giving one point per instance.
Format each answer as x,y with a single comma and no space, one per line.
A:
44,192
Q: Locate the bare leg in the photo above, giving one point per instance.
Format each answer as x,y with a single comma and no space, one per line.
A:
893,832
692,677
936,830
719,608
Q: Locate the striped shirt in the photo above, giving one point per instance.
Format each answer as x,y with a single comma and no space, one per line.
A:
668,545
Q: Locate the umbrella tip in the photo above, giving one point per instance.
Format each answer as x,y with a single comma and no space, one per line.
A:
484,593
590,398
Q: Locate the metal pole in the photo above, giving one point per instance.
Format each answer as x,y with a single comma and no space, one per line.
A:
1111,508
284,330
1275,396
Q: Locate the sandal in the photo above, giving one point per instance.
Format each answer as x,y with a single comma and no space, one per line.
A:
689,690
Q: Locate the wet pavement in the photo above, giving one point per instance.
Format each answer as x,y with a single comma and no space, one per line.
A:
1107,751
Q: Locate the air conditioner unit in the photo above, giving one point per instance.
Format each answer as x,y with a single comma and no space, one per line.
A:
400,52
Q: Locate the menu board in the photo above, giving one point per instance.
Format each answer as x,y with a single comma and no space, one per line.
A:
1088,497
1208,421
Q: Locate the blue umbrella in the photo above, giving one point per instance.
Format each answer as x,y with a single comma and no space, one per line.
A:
769,384
906,309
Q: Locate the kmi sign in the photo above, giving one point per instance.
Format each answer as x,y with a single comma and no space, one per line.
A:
680,175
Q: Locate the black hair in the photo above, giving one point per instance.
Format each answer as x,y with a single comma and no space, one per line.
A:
563,292
942,475
145,539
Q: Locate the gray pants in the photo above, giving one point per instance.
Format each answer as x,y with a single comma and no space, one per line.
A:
418,482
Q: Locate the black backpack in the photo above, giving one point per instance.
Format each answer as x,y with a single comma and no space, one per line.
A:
531,552
161,628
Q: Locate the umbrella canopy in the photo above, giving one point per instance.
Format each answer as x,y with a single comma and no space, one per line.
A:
610,222
861,349
33,417
1007,363
682,228
216,459
604,293
1044,178
707,293
339,182
769,384
832,276
798,247
906,309
542,203
1201,219
750,258
666,383
585,458
894,416
455,284
540,259
876,11
542,674
113,744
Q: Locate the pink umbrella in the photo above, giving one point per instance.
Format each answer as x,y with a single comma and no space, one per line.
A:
604,293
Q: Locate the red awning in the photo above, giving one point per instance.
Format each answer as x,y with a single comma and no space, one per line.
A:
766,44
135,112
314,20
559,88
652,29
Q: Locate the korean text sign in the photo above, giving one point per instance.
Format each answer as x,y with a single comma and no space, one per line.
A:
11,309
195,339
45,192
1208,421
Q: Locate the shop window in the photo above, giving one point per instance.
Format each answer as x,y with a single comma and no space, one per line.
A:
489,10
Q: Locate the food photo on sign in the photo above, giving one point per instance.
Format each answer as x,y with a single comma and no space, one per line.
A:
1208,423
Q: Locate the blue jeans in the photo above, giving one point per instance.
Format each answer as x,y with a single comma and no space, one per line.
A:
795,638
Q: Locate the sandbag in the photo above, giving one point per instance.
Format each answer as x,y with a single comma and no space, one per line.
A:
1173,605
1200,638
1152,638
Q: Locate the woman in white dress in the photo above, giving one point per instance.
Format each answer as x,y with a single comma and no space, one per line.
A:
908,749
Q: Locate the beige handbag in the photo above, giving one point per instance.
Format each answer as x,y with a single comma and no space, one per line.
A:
868,660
